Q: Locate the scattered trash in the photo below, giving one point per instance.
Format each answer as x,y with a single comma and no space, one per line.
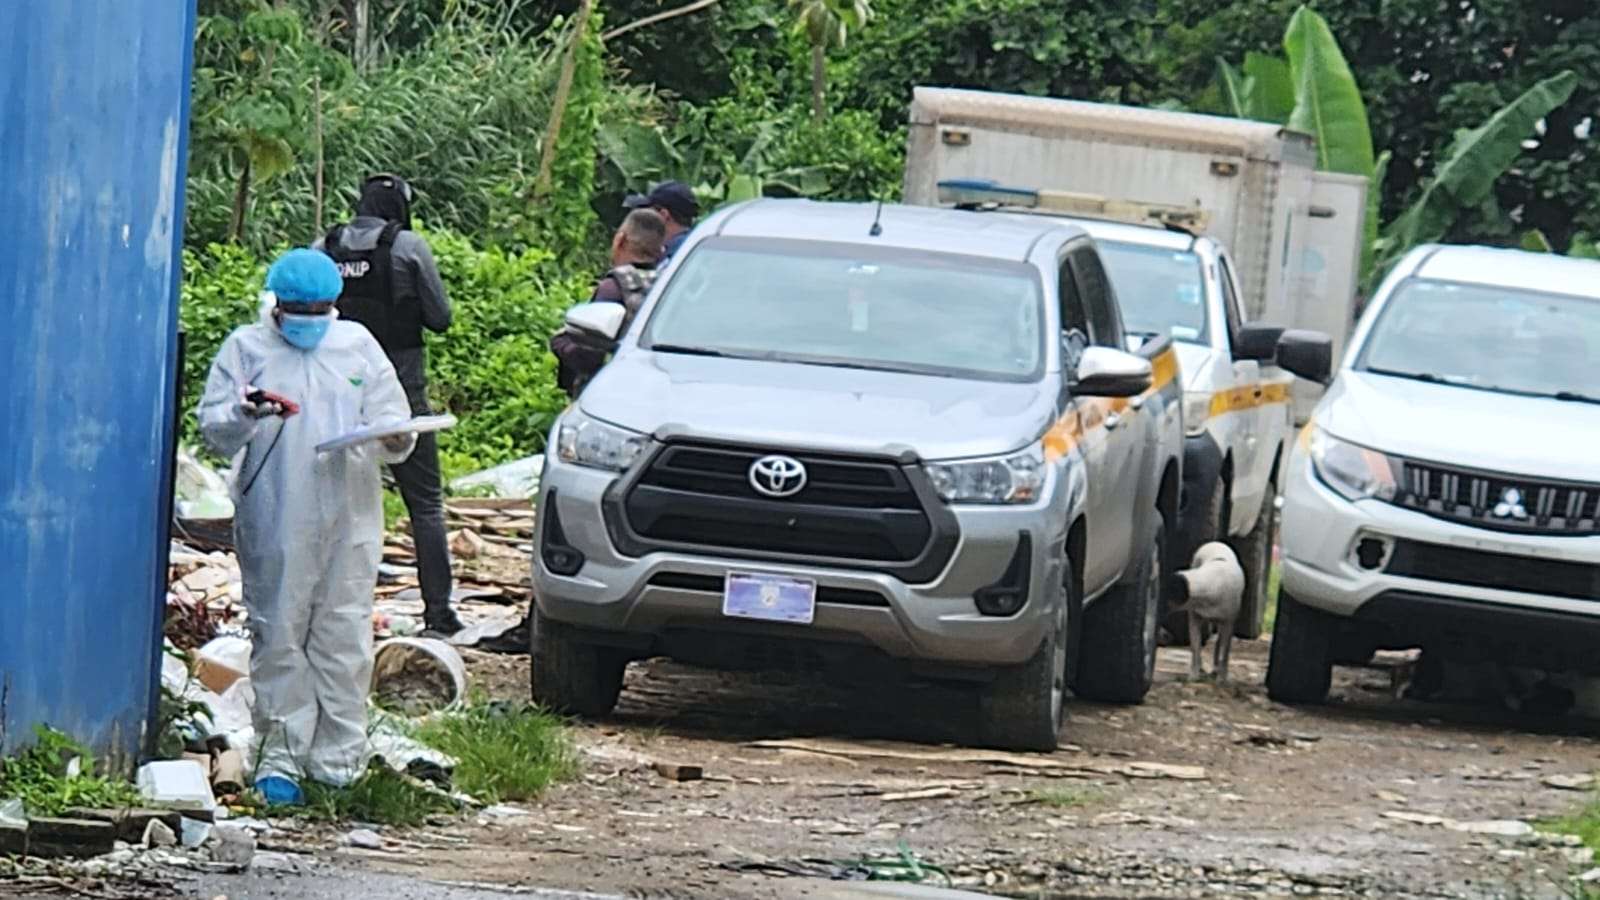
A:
1581,782
1590,877
177,784
222,662
678,772
12,814
1049,764
157,834
199,492
417,676
228,773
194,833
365,839
1423,819
938,793
513,479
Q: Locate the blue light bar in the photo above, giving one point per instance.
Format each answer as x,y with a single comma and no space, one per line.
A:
981,192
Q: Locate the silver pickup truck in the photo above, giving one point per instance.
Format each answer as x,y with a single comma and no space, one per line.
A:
840,433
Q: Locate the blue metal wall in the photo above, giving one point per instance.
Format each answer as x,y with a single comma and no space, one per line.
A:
93,128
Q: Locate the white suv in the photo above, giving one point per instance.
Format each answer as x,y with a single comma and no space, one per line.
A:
1446,493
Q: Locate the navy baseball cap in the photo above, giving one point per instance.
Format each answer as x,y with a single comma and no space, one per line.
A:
673,196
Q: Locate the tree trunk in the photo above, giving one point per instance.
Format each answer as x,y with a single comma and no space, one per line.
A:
241,200
819,81
361,47
558,105
316,134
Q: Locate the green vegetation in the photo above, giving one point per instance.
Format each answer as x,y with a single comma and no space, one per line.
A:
504,752
1483,114
56,774
381,796
1585,823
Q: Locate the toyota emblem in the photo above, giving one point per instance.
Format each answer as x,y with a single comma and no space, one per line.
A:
777,476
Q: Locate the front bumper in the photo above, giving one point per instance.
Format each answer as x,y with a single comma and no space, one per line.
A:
637,602
1324,538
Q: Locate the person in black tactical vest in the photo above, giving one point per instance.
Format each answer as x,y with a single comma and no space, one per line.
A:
636,251
392,286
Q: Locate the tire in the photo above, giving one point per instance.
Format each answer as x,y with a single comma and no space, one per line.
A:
1022,709
1118,660
571,677
1214,511
1255,557
1300,668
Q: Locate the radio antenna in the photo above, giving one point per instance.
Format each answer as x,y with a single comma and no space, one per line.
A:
877,221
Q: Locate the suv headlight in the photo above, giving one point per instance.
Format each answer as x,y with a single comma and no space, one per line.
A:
1196,410
590,442
1017,478
1352,471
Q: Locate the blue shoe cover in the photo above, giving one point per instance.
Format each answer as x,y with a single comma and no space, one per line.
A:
280,791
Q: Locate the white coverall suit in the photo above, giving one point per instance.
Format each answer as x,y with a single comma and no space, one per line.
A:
309,536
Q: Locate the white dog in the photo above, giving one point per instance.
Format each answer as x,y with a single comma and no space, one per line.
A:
1211,591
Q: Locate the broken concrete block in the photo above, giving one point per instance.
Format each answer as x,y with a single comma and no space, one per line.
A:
131,824
679,771
158,835
232,846
77,838
13,839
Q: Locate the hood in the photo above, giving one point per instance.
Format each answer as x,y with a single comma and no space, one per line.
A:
1530,436
798,406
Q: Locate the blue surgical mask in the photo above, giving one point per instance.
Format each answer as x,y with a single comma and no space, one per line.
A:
305,332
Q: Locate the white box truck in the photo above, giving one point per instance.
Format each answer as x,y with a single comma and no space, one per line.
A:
1294,232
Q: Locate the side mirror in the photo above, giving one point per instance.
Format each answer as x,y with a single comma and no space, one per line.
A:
1308,354
1107,372
599,319
1132,342
1257,342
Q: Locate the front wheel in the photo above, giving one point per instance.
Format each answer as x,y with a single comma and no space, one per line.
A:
1300,667
1255,558
1117,663
570,676
1022,708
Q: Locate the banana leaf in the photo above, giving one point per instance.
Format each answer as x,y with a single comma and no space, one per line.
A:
1234,88
1328,106
1533,240
1271,96
1476,160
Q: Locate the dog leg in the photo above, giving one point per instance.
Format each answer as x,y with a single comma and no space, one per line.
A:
1196,647
1224,650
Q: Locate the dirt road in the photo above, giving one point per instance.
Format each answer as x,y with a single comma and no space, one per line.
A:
1369,796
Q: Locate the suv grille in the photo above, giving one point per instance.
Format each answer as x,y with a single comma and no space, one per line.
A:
1492,500
862,511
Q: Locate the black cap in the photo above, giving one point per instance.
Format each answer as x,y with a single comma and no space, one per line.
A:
673,196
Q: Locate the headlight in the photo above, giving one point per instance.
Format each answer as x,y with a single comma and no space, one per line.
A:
1017,478
588,442
1196,410
1353,472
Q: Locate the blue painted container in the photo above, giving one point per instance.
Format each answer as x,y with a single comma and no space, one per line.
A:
94,117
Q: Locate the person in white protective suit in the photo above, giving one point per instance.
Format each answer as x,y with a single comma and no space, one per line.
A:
308,526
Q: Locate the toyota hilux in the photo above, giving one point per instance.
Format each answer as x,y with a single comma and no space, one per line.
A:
844,433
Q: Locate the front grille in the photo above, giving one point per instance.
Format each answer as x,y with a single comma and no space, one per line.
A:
711,584
1502,571
699,497
1498,501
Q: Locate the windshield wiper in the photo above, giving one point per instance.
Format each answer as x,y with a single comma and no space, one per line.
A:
1429,377
1575,397
686,350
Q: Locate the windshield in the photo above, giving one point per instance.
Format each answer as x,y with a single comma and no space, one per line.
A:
1160,290
848,305
1489,338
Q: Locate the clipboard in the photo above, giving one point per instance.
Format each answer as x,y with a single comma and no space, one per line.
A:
419,425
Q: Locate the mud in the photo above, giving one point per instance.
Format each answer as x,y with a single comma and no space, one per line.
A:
1358,798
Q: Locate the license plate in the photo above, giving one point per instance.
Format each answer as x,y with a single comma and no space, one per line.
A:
773,598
